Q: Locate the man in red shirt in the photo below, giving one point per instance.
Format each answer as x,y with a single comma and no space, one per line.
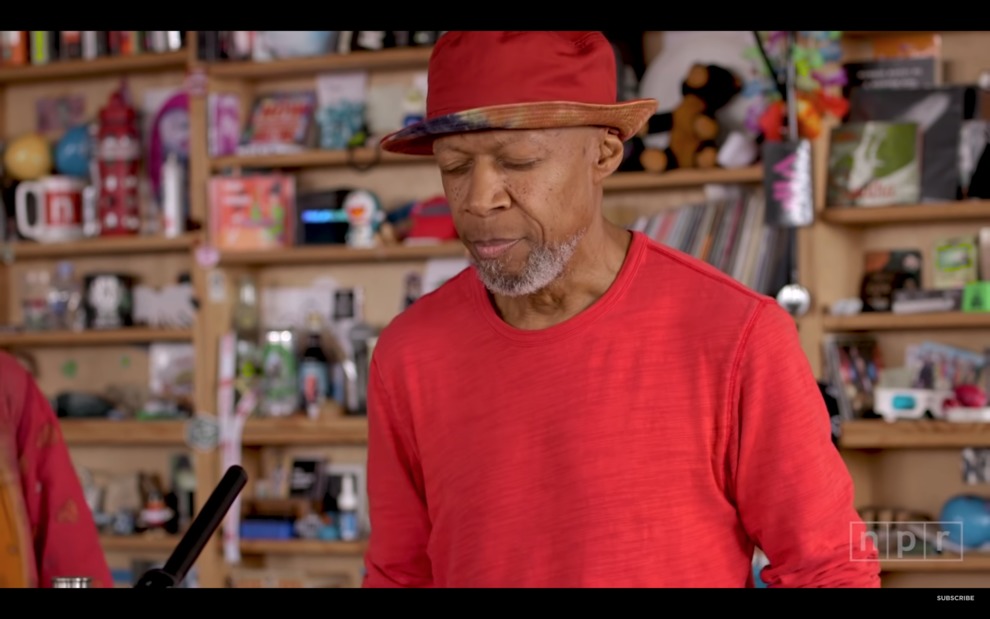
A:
46,527
585,407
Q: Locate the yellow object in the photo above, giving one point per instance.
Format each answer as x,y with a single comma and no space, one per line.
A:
28,157
14,537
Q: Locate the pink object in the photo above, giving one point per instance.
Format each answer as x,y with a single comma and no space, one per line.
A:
971,396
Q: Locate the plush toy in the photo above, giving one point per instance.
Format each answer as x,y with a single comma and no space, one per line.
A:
692,125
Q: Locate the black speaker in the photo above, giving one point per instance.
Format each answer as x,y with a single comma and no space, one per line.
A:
320,219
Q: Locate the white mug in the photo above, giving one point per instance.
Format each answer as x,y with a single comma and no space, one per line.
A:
65,209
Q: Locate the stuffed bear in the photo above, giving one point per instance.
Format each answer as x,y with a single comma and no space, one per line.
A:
692,125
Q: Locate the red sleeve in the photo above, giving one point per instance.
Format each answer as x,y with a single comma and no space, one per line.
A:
66,540
400,524
793,490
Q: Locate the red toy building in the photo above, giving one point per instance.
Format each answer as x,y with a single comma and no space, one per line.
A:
118,154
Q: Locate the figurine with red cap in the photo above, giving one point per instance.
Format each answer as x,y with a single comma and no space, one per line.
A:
583,406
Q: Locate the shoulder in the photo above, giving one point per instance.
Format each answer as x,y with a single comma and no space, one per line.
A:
706,295
698,274
14,377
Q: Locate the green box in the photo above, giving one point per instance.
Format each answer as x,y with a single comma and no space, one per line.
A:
976,297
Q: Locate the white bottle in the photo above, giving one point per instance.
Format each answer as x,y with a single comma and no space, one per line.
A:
172,212
347,508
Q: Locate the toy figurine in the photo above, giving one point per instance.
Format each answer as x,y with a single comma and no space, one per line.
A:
118,156
363,214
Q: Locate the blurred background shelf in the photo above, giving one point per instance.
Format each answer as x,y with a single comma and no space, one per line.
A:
127,432
109,337
139,543
108,246
908,434
887,321
974,210
98,67
323,254
389,59
303,547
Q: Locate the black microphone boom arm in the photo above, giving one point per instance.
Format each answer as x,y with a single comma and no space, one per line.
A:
198,534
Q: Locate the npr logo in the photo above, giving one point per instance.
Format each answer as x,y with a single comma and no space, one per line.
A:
905,540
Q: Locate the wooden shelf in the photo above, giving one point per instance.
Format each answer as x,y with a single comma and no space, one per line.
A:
973,210
322,254
135,335
302,547
887,321
622,181
910,434
972,562
105,246
632,181
99,67
300,430
313,159
389,59
139,543
123,433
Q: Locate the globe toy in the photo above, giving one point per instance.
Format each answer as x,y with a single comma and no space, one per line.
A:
73,152
28,157
965,519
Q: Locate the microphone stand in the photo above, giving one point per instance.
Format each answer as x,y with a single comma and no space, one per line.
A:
198,534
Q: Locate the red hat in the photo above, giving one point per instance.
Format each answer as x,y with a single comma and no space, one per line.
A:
481,80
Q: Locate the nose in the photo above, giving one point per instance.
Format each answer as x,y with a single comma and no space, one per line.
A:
486,192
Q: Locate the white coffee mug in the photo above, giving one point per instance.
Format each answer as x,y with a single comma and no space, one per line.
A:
65,209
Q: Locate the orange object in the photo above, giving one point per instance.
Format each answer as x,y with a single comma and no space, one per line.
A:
15,566
812,108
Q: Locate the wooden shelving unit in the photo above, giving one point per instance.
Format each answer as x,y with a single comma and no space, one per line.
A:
99,68
316,254
312,159
884,321
135,335
300,430
974,210
128,432
913,434
913,465
303,547
139,543
968,562
98,247
675,179
386,60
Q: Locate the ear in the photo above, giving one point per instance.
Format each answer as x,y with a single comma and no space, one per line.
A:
611,151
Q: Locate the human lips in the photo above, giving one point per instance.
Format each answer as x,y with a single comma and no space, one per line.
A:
493,248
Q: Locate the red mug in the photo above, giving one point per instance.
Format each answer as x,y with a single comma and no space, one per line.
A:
65,209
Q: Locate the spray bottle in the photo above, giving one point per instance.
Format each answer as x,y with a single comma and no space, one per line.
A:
347,508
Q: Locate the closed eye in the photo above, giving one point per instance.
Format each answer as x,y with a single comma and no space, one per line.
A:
454,169
521,165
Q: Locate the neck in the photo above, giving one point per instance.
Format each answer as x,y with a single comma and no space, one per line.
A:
591,271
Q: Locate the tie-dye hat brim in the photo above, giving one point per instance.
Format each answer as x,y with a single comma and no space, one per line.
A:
488,80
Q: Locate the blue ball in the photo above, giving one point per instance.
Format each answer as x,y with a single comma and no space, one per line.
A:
74,151
966,520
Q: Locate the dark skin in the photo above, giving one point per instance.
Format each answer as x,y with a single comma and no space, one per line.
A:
519,189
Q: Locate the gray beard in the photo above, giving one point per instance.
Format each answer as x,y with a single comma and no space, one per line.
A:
544,265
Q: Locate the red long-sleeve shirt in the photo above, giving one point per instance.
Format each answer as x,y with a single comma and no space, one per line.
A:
650,441
44,517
